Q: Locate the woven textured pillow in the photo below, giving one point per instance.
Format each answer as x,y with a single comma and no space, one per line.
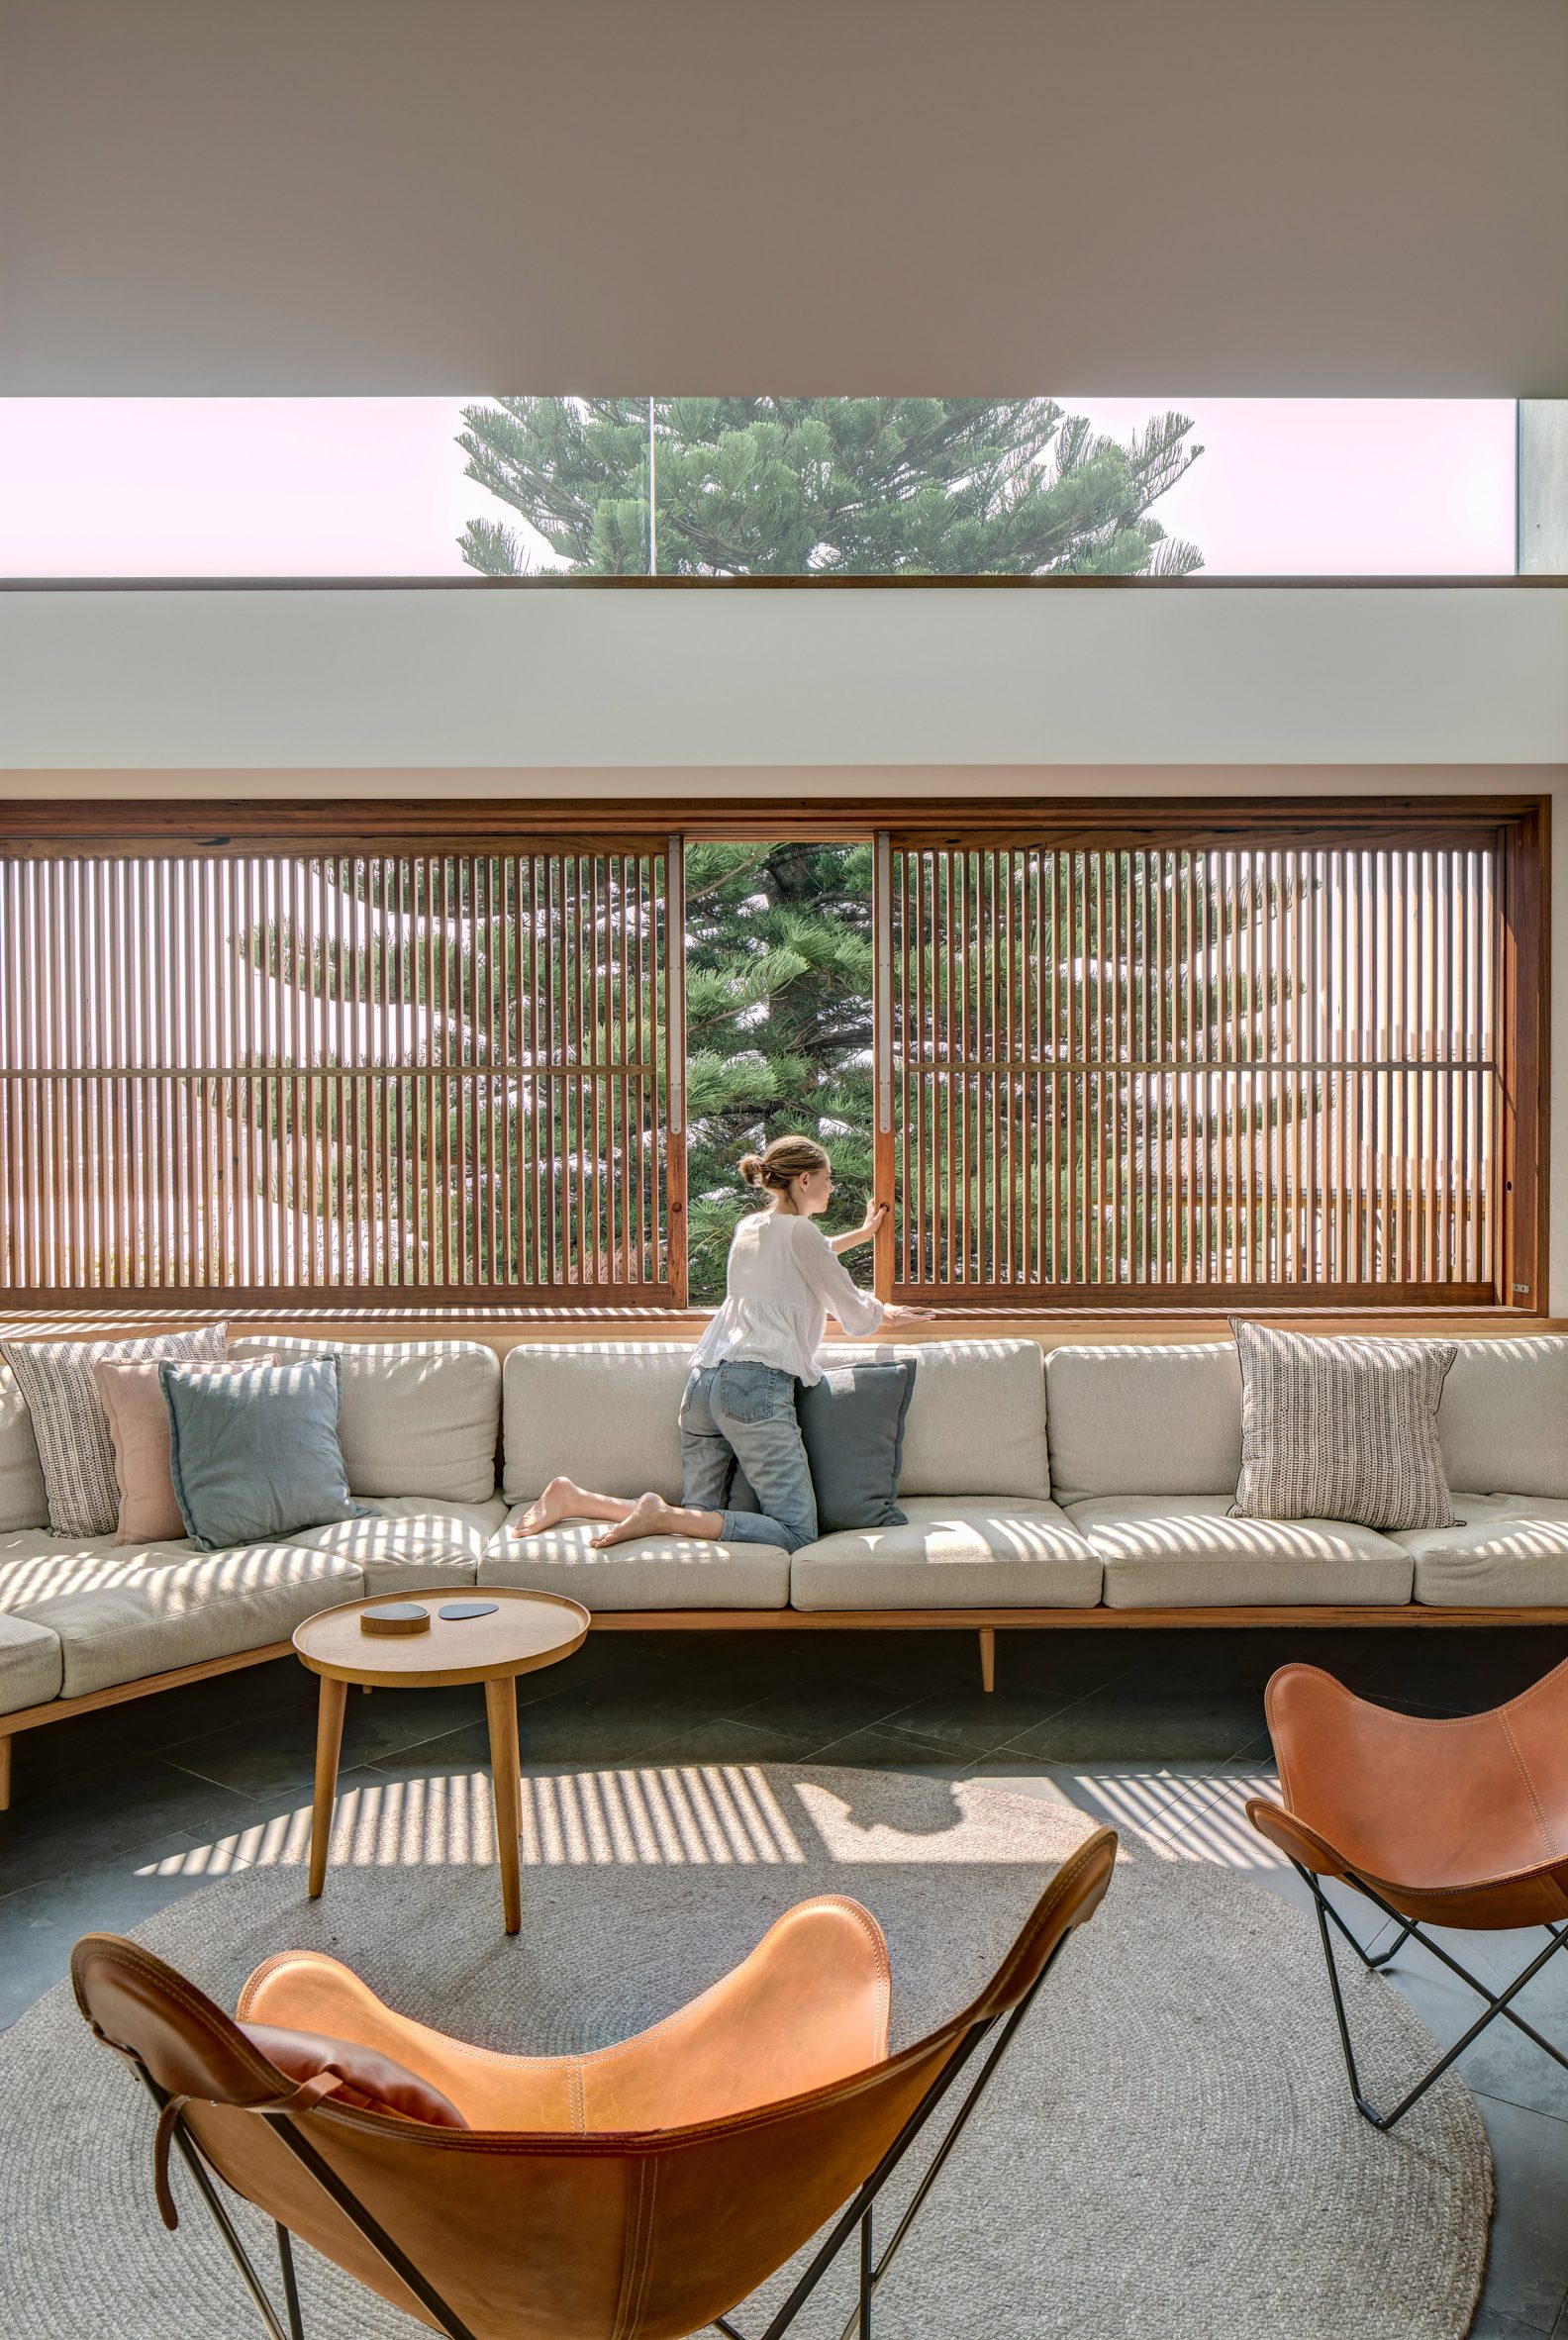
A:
1342,1429
132,1397
55,1377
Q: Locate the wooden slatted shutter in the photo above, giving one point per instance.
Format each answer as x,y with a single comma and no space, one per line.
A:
1131,1070
443,1075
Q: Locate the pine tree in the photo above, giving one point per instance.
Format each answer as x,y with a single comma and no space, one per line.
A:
779,948
836,486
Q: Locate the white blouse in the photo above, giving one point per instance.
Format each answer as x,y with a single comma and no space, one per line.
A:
783,1281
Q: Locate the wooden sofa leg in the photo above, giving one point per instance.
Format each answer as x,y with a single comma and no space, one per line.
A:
988,1656
5,1775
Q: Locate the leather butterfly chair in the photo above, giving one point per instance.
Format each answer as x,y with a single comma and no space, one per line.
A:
636,2194
1461,1824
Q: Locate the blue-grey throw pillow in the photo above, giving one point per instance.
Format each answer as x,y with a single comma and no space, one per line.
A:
852,1422
256,1455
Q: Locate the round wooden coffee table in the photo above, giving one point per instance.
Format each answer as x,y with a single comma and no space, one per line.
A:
525,1631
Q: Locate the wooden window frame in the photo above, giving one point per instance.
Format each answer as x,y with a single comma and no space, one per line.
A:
1517,826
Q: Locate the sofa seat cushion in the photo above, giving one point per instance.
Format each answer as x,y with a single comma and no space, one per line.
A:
31,1667
1183,1552
410,1538
1510,1552
999,1552
125,1610
664,1572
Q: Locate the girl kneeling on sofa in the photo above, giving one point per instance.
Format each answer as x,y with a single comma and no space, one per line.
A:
782,1283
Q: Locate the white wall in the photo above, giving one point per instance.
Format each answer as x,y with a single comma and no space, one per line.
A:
690,680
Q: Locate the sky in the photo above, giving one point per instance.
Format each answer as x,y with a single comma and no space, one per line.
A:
255,487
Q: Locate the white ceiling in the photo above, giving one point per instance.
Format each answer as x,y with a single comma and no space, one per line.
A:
971,197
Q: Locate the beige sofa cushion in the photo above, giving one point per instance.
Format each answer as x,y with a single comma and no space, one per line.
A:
121,1610
418,1416
976,1422
1503,1421
999,1552
601,1413
23,1501
1183,1552
409,1540
665,1572
1144,1420
1511,1551
605,1414
31,1667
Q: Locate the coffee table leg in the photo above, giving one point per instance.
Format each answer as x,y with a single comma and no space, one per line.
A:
501,1711
329,1739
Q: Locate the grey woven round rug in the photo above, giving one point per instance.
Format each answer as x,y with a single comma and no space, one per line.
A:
1169,2149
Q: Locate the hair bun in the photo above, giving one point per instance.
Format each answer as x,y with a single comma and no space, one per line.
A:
750,1167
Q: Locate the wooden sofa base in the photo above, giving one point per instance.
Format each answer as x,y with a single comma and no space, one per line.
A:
984,1622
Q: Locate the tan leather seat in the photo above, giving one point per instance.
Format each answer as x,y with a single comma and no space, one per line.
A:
1460,1821
810,2005
632,2193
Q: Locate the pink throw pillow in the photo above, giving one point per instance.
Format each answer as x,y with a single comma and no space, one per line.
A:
132,1398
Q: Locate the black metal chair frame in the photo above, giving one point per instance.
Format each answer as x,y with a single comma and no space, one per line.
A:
1497,2003
858,2213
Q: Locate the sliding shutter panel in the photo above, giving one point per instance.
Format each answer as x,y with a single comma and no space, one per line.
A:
440,1075
1263,1070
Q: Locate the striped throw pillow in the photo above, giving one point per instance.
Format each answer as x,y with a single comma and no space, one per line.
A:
1342,1429
75,1450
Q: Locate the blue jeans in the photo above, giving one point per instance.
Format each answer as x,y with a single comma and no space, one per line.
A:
739,1413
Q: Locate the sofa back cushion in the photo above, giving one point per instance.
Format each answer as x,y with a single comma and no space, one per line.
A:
604,1413
601,1413
418,1416
1502,1422
977,1418
23,1502
1144,1420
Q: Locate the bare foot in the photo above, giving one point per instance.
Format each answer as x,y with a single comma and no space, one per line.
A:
650,1514
553,1505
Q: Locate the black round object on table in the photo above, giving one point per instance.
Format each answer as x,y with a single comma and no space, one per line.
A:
395,1617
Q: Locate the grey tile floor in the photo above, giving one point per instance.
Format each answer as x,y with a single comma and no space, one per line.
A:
118,1814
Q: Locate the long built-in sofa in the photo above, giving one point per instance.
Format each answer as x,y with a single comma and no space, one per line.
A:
1083,1486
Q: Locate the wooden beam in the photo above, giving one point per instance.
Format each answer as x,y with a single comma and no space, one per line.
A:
31,826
